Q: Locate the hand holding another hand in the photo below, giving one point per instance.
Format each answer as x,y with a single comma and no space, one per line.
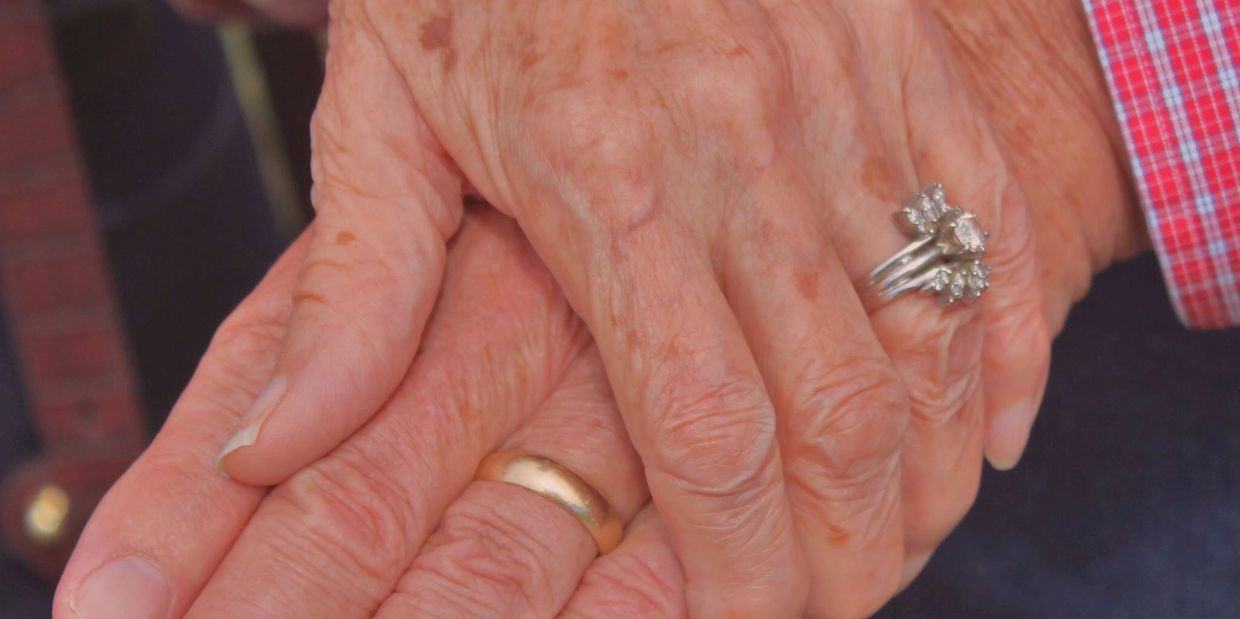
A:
389,523
705,183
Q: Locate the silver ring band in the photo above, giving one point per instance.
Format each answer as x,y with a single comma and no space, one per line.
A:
944,256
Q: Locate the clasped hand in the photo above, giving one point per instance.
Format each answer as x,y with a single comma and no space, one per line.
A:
704,182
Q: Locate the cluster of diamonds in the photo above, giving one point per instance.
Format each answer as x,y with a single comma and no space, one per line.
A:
962,276
961,281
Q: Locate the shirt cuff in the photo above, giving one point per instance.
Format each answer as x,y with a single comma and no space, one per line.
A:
1171,68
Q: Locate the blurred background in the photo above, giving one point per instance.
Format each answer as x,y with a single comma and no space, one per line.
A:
151,169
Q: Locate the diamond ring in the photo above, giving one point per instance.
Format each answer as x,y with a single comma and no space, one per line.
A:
944,257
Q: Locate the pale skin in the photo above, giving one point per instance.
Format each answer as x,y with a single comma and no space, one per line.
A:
704,182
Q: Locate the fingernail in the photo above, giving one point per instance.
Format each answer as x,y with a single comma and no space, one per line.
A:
912,568
1000,464
254,418
1009,432
124,588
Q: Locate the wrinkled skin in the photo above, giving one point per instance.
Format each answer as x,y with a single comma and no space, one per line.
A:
351,535
703,181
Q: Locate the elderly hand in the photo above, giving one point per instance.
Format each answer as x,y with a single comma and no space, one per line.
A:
351,535
389,524
737,164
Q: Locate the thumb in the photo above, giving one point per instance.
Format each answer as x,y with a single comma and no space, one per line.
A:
386,199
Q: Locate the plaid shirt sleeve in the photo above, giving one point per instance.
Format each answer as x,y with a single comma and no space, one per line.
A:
1171,66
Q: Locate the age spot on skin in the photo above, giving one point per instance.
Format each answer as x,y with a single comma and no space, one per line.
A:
808,285
344,238
529,58
879,179
437,34
666,48
312,297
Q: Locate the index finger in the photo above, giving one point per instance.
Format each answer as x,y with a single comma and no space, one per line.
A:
134,558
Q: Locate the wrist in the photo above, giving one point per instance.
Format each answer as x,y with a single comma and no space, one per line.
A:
1032,66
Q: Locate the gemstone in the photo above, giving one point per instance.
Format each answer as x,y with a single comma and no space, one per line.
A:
941,279
913,217
969,235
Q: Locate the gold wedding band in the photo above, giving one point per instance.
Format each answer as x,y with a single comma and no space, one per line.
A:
561,486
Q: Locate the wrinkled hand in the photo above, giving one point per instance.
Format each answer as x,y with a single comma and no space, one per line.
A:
351,535
705,182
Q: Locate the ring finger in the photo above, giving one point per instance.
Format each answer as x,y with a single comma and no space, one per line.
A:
864,169
502,550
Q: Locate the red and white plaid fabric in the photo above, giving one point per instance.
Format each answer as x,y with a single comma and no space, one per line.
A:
1172,66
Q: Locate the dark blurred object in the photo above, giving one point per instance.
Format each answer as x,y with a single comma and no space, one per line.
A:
61,310
1127,504
91,55
183,207
294,77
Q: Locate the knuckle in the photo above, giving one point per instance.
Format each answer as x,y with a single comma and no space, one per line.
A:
1015,252
631,585
731,89
940,363
491,560
329,159
1023,330
578,127
349,172
242,348
239,358
722,85
597,153
350,511
253,331
717,440
852,418
729,74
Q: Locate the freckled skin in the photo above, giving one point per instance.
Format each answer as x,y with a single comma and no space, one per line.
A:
878,177
437,32
436,35
309,296
615,131
808,285
705,180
